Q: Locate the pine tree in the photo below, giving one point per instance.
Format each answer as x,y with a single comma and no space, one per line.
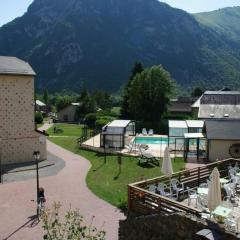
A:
125,113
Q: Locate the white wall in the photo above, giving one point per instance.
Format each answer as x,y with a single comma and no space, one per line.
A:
219,149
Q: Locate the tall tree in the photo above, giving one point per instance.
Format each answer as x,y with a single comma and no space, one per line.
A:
103,99
46,97
197,92
125,113
149,94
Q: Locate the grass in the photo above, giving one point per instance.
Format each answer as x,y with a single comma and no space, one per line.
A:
73,130
105,180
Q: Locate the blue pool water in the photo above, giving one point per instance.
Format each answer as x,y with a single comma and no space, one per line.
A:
151,140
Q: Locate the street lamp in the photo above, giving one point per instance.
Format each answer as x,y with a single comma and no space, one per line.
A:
36,155
1,160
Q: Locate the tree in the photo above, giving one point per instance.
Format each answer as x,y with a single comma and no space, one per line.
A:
103,100
46,97
197,92
125,113
87,104
38,118
149,94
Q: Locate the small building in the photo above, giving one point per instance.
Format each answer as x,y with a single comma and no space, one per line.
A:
68,114
195,126
18,135
177,128
116,134
41,107
217,105
223,138
180,106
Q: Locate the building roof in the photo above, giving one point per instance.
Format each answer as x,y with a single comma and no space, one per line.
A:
195,123
196,104
222,129
193,135
39,103
75,104
182,104
207,111
221,97
119,123
177,124
15,66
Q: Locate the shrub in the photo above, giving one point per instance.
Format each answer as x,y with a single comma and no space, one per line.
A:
38,117
72,226
90,119
102,121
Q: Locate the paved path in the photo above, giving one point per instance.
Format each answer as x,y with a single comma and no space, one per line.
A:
68,186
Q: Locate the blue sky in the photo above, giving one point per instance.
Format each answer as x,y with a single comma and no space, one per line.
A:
194,6
10,9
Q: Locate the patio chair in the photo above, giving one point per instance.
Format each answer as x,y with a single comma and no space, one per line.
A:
150,132
192,195
236,167
144,132
203,185
177,187
164,190
230,224
152,188
132,148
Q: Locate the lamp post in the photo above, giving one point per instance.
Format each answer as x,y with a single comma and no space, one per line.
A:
1,160
36,155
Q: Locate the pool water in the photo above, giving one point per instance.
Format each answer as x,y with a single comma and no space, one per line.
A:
151,140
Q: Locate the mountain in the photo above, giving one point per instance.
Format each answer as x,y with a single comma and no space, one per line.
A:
96,43
225,21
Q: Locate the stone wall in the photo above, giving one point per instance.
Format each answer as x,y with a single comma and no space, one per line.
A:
18,138
166,227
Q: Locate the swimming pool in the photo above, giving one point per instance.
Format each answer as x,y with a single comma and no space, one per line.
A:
151,140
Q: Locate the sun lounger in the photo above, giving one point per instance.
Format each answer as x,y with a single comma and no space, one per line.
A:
150,132
144,132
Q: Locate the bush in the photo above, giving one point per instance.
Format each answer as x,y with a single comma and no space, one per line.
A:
38,117
90,119
72,226
102,121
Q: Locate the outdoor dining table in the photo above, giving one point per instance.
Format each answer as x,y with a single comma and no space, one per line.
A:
202,190
224,181
222,211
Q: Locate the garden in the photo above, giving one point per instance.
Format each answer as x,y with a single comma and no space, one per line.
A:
106,178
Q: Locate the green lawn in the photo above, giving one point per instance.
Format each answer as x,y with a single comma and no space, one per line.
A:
73,130
105,180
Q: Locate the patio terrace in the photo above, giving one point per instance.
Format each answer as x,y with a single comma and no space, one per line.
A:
142,201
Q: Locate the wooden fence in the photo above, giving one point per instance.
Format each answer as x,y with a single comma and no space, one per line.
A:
145,202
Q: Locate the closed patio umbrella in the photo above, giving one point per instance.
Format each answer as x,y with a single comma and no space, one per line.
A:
167,163
214,190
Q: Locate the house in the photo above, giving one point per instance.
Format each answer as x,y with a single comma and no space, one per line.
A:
68,114
223,139
41,107
218,105
18,138
180,106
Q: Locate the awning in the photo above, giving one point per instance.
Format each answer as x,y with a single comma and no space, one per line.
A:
177,124
195,123
193,135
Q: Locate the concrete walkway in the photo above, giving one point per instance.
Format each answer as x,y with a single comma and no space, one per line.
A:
68,187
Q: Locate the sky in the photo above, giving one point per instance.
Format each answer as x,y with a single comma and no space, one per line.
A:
194,6
10,9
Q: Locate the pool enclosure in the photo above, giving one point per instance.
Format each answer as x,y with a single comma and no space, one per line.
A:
186,136
117,133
